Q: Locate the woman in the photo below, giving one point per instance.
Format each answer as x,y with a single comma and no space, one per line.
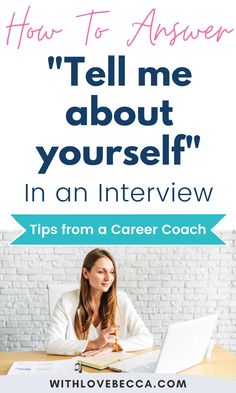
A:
96,318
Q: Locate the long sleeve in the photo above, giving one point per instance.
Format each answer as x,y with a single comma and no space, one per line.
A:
61,339
134,333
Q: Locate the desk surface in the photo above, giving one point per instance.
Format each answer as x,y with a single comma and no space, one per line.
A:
222,362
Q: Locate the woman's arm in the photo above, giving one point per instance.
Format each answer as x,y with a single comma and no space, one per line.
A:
56,342
138,336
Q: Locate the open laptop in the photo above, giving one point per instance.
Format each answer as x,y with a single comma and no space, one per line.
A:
184,346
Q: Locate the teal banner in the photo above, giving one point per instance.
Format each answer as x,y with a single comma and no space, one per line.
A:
105,229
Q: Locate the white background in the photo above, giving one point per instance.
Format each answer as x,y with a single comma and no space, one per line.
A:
34,101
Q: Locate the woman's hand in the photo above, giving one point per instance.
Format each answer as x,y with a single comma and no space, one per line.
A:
106,349
106,336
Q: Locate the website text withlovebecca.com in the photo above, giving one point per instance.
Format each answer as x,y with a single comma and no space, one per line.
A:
117,383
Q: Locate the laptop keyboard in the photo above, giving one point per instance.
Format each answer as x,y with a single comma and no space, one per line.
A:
148,368
145,362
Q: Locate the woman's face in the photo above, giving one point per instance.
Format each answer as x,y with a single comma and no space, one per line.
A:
102,274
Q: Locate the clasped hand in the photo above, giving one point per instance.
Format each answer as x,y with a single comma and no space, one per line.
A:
104,343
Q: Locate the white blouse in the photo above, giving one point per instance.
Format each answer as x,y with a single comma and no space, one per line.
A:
62,340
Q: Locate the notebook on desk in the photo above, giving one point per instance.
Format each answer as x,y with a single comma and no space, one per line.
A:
104,360
42,367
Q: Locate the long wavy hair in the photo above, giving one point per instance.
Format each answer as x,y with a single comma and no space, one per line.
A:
108,305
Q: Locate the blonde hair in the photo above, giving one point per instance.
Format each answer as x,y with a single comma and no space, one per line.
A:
108,305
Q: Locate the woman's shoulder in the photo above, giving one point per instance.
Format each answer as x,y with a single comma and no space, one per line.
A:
124,303
122,297
70,297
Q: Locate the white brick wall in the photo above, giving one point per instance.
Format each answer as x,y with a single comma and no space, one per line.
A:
166,284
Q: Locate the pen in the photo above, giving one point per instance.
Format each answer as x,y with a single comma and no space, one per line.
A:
116,345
